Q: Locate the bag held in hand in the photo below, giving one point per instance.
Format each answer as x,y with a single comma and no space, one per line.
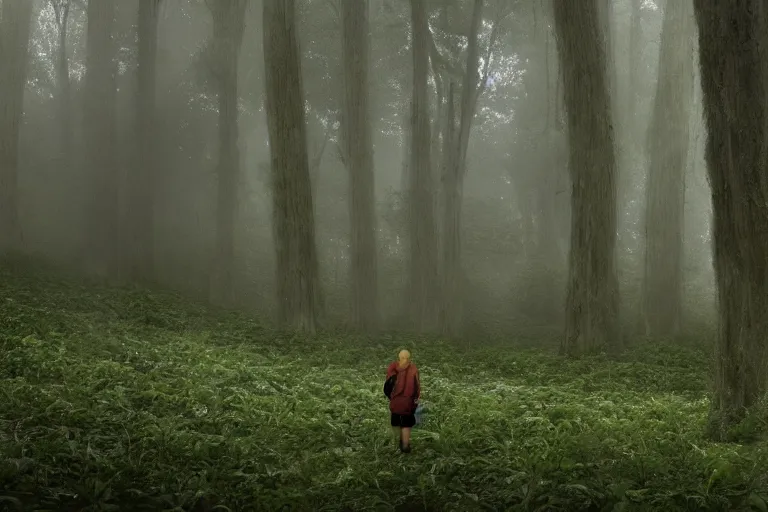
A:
419,414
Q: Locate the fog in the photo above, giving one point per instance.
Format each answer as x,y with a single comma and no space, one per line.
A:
88,158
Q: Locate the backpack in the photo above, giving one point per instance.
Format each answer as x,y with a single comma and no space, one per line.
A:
389,385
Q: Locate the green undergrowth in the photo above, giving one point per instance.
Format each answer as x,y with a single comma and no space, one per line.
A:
124,399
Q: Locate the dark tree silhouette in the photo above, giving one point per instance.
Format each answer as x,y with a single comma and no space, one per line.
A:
733,81
592,296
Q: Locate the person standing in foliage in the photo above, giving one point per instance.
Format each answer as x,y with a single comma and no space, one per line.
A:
403,388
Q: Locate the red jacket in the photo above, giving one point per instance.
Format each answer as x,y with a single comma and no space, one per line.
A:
407,388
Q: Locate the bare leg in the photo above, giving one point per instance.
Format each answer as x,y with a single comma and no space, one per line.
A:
405,438
397,433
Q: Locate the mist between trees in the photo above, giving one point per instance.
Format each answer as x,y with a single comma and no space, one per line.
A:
477,169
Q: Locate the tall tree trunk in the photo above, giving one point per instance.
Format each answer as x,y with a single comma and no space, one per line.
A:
447,165
228,28
635,59
632,136
439,126
545,295
633,152
422,299
733,81
103,237
668,152
143,178
61,10
606,27
592,298
14,49
358,154
451,314
550,254
298,287
443,74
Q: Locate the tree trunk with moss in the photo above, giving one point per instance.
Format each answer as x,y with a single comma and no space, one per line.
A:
733,81
592,295
298,287
668,155
358,156
15,20
422,300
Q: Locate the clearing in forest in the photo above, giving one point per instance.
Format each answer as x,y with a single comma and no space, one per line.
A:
123,396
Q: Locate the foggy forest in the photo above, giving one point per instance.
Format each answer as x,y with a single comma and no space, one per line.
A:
220,221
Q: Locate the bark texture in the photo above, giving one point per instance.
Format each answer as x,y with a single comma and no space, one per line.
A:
103,237
422,301
15,20
228,28
668,156
298,285
143,179
592,294
358,157
733,81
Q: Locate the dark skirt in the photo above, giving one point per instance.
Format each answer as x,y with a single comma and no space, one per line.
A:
403,420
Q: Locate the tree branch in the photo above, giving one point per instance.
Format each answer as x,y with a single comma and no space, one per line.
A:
440,63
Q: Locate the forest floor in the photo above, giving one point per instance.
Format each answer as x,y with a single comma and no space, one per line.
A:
125,399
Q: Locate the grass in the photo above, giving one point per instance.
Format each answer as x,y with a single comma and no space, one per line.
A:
124,399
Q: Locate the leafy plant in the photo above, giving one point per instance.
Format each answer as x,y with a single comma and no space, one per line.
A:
124,396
